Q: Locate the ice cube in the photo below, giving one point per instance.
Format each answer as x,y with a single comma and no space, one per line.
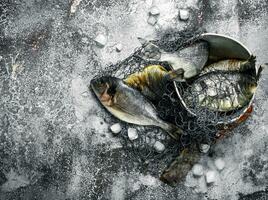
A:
100,40
204,148
219,163
198,170
119,47
211,177
184,15
132,134
152,20
154,10
116,128
159,147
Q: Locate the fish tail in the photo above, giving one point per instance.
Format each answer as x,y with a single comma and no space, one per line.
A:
259,72
174,131
179,168
249,64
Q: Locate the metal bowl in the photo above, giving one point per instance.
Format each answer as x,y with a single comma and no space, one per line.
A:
223,47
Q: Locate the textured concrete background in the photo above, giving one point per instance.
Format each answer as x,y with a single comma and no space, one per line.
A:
55,141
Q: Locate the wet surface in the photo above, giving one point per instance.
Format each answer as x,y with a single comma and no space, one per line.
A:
55,141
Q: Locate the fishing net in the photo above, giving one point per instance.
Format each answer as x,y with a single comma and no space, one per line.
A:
200,124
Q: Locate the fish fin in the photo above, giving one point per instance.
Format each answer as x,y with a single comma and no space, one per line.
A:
259,72
175,75
174,131
179,168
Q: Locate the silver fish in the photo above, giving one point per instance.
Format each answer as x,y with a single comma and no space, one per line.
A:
231,65
191,59
129,105
222,91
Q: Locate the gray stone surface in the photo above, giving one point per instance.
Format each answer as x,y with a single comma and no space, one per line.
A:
55,141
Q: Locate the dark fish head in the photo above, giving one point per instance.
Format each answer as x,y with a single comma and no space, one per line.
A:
105,88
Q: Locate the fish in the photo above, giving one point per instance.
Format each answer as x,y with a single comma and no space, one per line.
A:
129,105
191,59
179,168
232,65
151,81
222,91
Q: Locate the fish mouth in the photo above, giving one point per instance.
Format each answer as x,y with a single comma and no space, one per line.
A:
95,86
100,89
